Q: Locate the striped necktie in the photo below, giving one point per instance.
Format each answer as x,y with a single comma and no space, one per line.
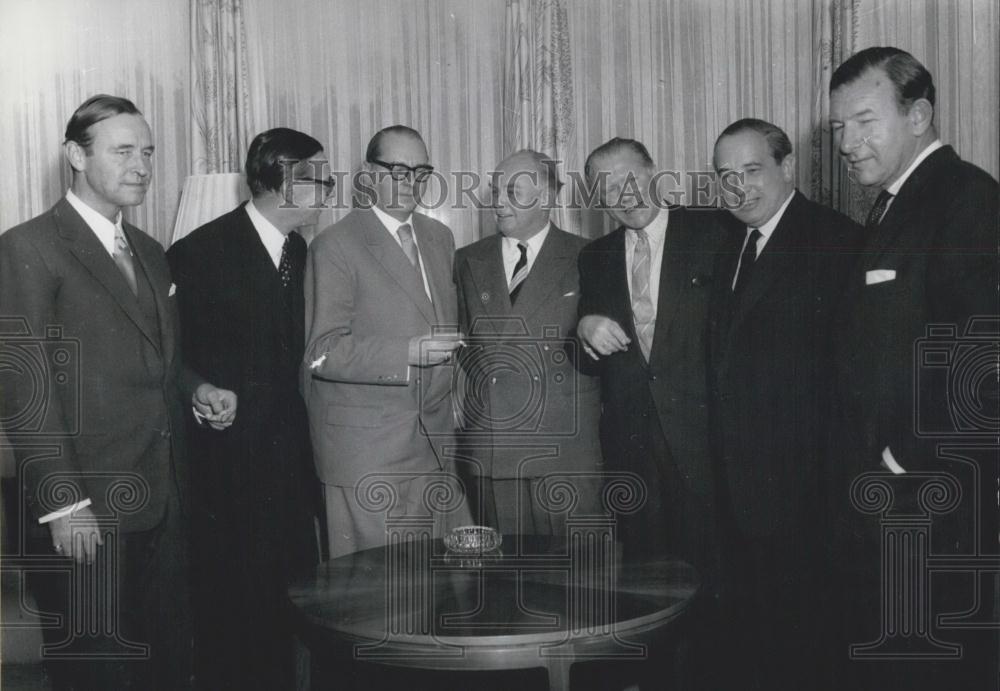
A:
642,303
520,273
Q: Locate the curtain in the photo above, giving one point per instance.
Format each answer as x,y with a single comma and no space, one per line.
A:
227,85
538,89
57,53
341,70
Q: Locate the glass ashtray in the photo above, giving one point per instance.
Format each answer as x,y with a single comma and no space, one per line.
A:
472,539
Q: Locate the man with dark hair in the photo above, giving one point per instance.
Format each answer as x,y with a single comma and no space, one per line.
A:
517,300
381,326
240,294
930,260
105,468
780,274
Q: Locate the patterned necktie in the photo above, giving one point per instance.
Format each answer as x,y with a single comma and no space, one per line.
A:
747,261
520,273
405,233
123,258
642,303
878,211
285,265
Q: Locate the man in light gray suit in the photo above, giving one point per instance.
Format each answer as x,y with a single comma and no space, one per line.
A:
381,327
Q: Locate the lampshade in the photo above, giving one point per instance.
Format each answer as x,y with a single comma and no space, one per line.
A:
205,197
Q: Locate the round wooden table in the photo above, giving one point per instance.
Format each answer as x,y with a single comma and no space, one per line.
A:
540,602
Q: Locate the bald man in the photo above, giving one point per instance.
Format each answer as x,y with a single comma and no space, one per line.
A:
531,413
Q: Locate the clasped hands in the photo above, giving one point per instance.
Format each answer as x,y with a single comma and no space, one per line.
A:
601,336
215,406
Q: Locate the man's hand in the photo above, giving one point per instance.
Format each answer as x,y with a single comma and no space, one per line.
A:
79,539
214,405
427,351
601,336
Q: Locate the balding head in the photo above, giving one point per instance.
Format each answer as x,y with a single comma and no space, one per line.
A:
523,189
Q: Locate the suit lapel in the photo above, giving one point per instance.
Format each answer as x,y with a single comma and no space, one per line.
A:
490,280
84,245
437,269
673,274
553,260
390,255
617,281
904,206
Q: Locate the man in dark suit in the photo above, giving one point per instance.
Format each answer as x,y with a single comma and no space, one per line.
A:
240,294
103,466
531,407
930,259
781,272
381,323
644,305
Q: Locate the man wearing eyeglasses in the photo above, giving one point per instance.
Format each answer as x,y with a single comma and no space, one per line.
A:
240,292
381,328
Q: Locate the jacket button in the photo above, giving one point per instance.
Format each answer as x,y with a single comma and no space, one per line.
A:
165,434
652,377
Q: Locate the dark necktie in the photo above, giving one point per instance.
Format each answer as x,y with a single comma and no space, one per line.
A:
285,265
878,211
123,259
520,273
405,233
747,260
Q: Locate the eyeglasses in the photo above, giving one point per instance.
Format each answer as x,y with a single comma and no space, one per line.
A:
329,183
401,171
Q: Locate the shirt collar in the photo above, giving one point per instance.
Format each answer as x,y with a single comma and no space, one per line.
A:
894,188
534,243
392,225
97,222
656,229
767,228
272,238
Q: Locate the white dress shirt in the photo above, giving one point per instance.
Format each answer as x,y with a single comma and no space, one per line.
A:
511,254
272,238
102,227
766,231
392,227
656,231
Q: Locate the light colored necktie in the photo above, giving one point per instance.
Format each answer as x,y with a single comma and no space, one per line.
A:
642,303
405,233
520,273
123,259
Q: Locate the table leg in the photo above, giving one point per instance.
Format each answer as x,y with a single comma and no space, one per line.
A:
558,669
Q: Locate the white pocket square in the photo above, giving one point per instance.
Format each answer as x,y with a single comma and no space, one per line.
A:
173,289
879,276
570,294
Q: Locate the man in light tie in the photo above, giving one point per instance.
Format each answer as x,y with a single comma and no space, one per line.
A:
381,327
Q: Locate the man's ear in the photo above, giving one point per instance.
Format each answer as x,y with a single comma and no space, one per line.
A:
788,168
921,116
76,155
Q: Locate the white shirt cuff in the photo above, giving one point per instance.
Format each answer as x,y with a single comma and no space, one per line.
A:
49,517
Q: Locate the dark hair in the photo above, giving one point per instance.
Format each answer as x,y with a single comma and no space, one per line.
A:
613,146
375,144
92,111
776,138
271,151
909,78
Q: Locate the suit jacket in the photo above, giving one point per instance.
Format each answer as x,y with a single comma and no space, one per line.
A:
111,395
939,236
368,410
527,382
771,365
245,332
675,378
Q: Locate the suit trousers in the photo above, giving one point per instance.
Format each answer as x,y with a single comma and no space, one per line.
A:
511,504
125,620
